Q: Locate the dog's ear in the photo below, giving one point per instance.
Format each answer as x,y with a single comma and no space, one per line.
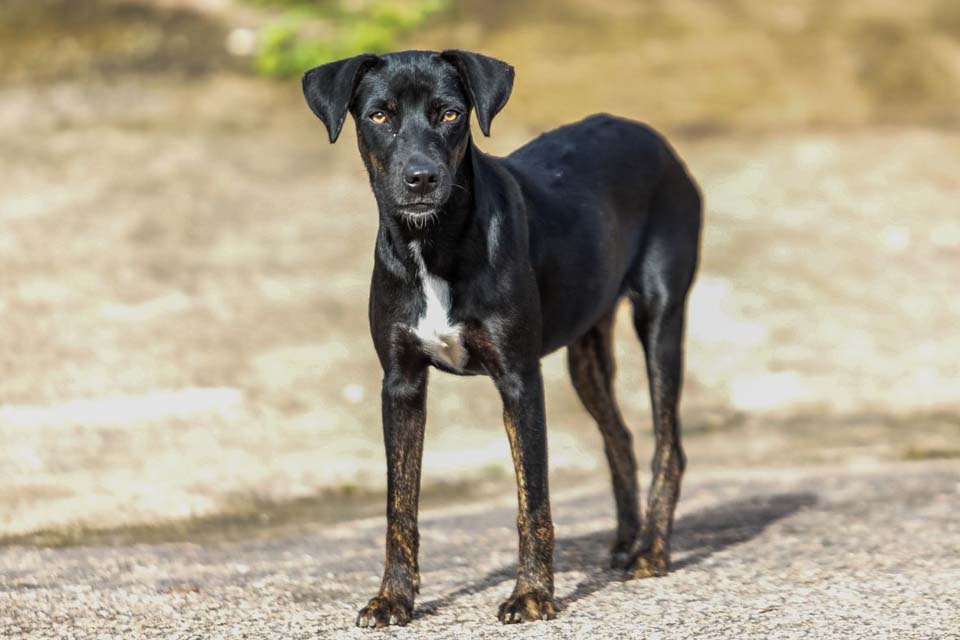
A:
329,89
488,81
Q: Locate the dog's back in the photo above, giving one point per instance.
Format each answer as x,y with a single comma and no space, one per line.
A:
595,190
622,157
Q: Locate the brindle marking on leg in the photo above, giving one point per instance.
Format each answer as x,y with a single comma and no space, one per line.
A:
592,368
404,398
532,597
525,424
511,429
661,328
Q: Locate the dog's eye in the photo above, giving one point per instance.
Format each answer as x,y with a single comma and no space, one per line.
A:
378,117
450,115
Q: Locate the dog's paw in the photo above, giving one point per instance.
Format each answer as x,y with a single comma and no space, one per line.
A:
620,555
382,611
647,564
525,607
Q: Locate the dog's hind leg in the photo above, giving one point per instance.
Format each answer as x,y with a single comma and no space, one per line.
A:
591,364
660,283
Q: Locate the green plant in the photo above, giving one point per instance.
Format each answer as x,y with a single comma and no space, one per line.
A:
307,34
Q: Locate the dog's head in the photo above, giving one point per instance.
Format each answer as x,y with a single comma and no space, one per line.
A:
412,113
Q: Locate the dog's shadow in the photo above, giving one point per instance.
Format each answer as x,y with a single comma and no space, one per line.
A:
695,538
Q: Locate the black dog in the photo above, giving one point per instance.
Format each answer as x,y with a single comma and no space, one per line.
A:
484,265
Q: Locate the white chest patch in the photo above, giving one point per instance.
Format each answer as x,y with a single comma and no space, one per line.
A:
440,339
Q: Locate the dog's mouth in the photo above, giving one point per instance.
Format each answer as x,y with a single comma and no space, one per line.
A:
418,214
416,208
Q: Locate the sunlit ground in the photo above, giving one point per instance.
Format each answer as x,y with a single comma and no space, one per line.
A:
183,286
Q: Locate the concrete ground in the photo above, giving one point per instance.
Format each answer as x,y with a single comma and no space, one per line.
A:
824,553
189,391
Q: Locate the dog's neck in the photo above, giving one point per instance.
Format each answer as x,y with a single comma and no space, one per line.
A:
440,241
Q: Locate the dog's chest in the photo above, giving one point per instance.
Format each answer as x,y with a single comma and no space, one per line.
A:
439,338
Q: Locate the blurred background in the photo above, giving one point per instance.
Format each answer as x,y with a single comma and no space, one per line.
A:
184,260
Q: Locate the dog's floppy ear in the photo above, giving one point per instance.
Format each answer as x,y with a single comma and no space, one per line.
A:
329,89
488,81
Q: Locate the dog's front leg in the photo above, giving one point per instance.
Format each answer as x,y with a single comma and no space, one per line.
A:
523,417
404,416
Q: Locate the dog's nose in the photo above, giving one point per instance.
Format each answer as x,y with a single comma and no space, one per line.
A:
421,177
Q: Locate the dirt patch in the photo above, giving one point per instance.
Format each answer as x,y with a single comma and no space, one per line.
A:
730,64
242,518
45,40
184,268
685,66
193,280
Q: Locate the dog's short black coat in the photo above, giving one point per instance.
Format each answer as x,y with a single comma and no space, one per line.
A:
483,265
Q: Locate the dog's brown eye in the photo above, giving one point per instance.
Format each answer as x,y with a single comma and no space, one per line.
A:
379,117
450,115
